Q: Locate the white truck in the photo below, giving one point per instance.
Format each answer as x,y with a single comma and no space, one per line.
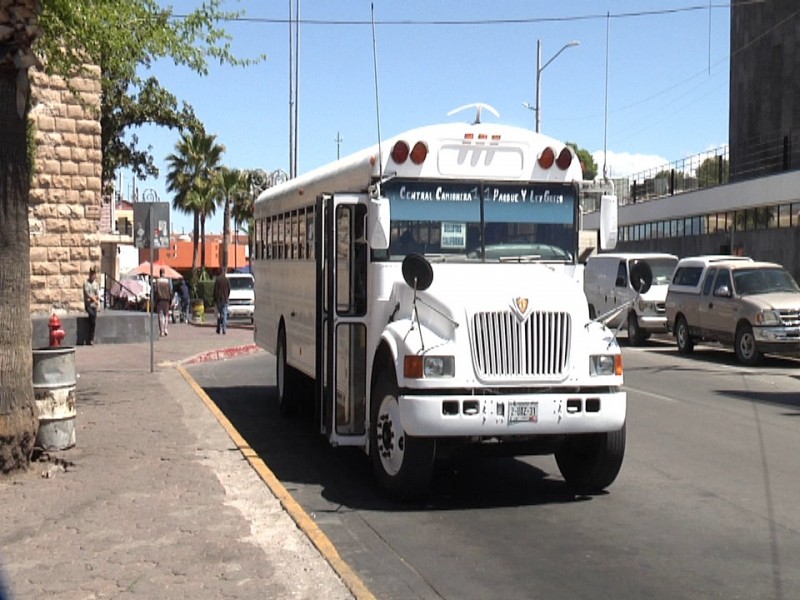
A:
609,286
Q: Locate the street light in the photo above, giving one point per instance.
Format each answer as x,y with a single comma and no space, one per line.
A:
539,68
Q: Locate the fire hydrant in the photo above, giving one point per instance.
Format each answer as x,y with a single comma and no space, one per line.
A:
56,333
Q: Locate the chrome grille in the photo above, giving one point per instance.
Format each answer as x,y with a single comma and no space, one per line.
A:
790,317
537,348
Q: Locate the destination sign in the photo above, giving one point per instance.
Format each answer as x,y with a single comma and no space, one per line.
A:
460,202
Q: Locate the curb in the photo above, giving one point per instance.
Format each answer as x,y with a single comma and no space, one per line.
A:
221,354
302,519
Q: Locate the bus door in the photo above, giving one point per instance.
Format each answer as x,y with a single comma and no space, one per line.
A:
341,360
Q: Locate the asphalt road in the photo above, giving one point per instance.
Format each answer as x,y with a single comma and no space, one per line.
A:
706,505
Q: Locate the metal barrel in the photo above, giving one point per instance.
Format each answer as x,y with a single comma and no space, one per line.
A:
54,392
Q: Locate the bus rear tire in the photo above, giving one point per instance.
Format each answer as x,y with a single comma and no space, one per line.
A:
403,464
285,379
590,462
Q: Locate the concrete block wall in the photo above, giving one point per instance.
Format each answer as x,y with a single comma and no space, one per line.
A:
66,190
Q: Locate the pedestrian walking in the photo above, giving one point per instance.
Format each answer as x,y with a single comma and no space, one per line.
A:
185,301
222,291
91,302
163,297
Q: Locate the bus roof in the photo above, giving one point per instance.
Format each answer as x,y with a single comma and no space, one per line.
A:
457,151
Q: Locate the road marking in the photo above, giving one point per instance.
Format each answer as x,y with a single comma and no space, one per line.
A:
652,395
290,505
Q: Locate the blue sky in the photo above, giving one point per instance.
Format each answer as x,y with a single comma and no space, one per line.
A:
667,83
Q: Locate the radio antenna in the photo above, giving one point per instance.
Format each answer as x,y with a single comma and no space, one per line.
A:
377,99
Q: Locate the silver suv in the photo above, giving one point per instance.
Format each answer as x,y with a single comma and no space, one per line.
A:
752,306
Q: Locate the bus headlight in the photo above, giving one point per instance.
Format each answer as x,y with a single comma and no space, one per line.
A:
417,367
605,364
768,317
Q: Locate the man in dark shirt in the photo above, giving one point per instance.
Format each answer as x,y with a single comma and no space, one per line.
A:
222,291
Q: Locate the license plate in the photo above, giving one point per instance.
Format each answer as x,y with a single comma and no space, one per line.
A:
523,412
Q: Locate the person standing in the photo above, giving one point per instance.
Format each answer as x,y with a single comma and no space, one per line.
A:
222,291
91,302
163,297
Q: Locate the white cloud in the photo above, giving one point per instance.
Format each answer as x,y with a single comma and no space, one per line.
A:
623,164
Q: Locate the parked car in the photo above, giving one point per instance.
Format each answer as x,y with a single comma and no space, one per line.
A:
735,301
607,285
242,301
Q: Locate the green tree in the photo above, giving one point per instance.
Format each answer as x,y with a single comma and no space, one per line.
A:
124,38
708,173
120,36
588,166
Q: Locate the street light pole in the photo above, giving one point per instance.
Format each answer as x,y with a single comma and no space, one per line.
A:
539,68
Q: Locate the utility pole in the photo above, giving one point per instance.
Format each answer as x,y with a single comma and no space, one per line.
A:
338,141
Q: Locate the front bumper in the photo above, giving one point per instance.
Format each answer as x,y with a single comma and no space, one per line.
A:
778,339
653,323
468,415
240,311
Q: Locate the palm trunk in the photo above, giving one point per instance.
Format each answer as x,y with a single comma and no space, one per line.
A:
203,242
18,419
226,235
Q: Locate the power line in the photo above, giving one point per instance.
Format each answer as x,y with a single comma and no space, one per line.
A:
473,22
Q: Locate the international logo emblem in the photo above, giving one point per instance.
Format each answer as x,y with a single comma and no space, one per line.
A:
520,308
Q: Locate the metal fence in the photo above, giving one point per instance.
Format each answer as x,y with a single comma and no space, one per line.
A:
765,154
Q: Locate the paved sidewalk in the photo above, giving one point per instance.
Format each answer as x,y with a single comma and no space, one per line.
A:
155,500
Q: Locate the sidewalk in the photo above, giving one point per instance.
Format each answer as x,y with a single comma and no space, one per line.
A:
155,501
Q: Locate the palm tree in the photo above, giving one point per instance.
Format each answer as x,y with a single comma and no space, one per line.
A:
190,176
230,183
18,420
242,209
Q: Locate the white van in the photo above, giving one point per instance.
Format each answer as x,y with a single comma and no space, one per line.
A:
607,284
242,301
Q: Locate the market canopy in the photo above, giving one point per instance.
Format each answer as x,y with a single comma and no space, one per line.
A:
144,269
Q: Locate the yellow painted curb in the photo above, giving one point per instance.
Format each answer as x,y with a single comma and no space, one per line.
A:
290,505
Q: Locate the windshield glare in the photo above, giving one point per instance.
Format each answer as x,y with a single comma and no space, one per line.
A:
763,281
481,222
662,268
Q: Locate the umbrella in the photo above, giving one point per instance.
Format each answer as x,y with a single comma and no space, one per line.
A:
144,269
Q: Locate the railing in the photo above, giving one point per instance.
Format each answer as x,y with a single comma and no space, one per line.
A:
765,154
707,169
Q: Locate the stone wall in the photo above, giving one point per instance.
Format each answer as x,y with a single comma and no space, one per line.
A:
66,190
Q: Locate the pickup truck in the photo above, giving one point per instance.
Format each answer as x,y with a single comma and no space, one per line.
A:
752,306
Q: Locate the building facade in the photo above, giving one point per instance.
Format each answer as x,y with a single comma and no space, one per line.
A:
764,119
65,196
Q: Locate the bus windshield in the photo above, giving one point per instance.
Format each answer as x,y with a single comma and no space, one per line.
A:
517,222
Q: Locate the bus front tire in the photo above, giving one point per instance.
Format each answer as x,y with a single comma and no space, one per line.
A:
285,379
403,464
590,462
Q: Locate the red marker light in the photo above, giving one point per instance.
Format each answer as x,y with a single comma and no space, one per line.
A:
400,152
419,153
546,158
564,159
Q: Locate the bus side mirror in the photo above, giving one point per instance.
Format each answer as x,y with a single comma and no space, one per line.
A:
379,221
608,222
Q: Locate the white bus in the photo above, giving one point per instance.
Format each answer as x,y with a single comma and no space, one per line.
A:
430,289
